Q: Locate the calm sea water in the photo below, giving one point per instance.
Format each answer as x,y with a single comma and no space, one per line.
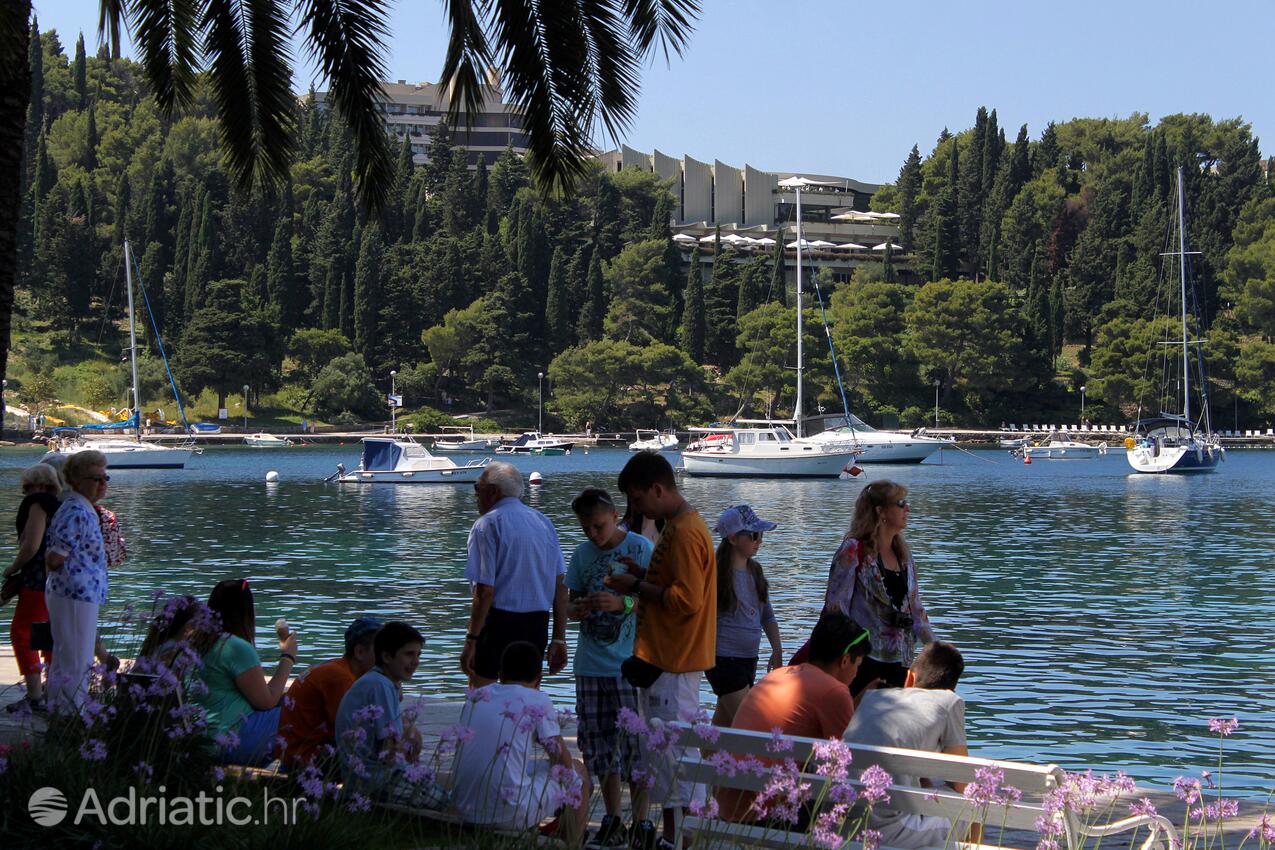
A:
1104,616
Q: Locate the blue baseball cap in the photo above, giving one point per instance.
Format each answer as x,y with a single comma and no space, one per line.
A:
741,518
360,629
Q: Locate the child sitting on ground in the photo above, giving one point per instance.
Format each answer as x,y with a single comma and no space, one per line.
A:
607,625
498,780
743,611
370,734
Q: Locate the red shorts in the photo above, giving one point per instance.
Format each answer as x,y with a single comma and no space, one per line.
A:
31,609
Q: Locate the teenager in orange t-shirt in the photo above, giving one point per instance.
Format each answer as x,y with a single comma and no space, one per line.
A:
307,720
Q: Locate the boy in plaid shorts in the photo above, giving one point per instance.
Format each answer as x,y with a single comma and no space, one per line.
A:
607,627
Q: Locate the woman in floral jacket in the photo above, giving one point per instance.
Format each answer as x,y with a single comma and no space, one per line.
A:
873,581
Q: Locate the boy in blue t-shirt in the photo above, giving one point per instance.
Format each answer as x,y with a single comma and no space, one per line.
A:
607,627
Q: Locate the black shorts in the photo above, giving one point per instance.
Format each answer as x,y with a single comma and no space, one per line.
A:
893,672
732,674
503,628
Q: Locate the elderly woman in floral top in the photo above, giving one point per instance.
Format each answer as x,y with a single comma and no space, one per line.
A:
77,582
873,581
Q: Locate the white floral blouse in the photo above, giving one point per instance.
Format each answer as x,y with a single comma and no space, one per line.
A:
76,534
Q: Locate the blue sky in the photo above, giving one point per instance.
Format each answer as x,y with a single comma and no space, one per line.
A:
847,88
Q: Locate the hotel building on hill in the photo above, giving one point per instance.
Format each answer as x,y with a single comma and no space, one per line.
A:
416,109
750,207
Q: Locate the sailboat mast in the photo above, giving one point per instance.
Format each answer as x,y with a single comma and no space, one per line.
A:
1186,360
797,407
132,332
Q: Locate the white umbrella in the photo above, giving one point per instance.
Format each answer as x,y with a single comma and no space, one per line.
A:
733,238
805,243
683,237
885,245
820,243
883,215
765,240
853,215
854,246
709,238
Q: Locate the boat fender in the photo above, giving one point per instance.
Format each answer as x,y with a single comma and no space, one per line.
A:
1027,459
1102,448
535,479
272,476
1128,442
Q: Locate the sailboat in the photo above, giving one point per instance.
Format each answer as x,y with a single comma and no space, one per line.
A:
122,452
1176,442
767,449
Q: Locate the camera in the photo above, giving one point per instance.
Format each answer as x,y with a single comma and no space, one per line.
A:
900,620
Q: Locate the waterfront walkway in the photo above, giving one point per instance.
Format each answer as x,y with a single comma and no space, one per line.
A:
436,715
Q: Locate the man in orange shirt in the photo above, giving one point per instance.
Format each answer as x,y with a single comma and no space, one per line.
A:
810,700
676,639
307,720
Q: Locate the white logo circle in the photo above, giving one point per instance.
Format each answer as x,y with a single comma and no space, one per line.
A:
47,806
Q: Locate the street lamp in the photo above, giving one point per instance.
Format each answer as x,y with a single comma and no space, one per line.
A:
936,403
4,385
1082,405
245,408
540,418
393,402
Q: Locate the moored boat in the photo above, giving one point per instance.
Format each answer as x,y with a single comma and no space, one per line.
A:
459,442
762,452
262,440
402,460
657,442
530,441
1059,446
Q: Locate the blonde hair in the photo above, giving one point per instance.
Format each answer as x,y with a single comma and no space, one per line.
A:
872,500
42,475
78,464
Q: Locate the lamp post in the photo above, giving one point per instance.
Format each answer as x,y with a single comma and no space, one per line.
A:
540,417
1082,405
936,403
393,402
245,408
4,385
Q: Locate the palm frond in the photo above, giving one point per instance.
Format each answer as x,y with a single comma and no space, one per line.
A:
668,22
110,15
167,33
467,54
346,38
224,41
615,63
270,75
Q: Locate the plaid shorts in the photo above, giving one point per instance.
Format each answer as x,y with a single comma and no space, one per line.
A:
399,789
605,748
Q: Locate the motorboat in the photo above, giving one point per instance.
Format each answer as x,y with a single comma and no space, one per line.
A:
459,443
765,451
262,440
198,428
1012,443
124,453
657,442
128,451
400,460
872,446
1059,446
1174,442
531,442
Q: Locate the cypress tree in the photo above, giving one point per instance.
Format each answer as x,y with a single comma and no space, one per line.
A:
993,144
175,282
203,262
35,109
281,281
79,74
367,292
778,271
887,265
970,191
345,308
45,174
557,304
909,189
90,155
1047,152
694,327
153,279
533,252
332,298
1056,317
578,280
123,201
595,306
661,216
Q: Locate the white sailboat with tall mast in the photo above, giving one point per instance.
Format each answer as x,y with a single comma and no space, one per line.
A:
123,452
767,449
1177,442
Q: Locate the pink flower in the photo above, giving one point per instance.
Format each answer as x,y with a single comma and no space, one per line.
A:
1265,830
93,750
144,771
1222,726
218,774
989,788
704,810
876,784
477,695
569,787
358,803
1188,790
1143,808
708,732
778,743
632,723
871,839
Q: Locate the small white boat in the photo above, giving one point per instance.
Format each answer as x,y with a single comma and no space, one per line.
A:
402,460
532,443
125,453
1059,446
762,452
871,445
657,442
458,442
262,440
1015,442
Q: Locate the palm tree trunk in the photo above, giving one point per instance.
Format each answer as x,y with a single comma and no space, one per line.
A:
15,94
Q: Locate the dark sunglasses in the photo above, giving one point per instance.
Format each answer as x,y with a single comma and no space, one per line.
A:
101,479
902,503
752,535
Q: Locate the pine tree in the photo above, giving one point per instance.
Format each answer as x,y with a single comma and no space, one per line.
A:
693,331
1047,151
367,292
909,189
557,304
438,157
595,307
79,74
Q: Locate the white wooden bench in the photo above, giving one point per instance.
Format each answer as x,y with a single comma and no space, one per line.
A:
1034,781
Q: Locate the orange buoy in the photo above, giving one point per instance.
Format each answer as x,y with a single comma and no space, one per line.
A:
1027,459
